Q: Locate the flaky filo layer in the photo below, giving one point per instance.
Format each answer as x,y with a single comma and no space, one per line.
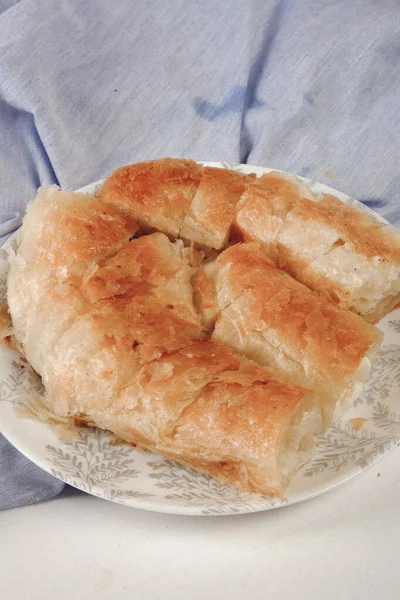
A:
346,255
272,319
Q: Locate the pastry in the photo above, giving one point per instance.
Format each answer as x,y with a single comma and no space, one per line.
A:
144,316
346,255
272,319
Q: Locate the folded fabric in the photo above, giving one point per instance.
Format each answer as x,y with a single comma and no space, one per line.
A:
22,482
9,222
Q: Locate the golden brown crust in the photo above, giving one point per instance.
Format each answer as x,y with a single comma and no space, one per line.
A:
211,213
336,338
368,236
157,193
143,323
194,405
148,266
256,412
101,352
332,291
77,232
328,343
262,209
330,246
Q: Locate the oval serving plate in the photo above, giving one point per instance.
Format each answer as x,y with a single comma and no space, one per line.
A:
120,473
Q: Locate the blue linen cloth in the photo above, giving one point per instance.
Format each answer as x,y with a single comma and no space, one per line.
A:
307,86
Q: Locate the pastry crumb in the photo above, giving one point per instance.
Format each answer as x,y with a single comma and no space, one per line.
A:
357,423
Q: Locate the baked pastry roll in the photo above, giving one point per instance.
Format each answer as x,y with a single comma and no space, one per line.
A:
346,255
211,212
157,193
201,405
267,316
63,237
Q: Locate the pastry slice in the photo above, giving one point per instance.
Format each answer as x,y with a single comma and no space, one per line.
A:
202,405
346,255
157,194
267,316
211,212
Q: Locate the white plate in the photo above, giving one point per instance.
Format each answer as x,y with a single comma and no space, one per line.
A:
143,480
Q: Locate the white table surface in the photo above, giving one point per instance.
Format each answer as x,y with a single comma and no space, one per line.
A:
342,545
